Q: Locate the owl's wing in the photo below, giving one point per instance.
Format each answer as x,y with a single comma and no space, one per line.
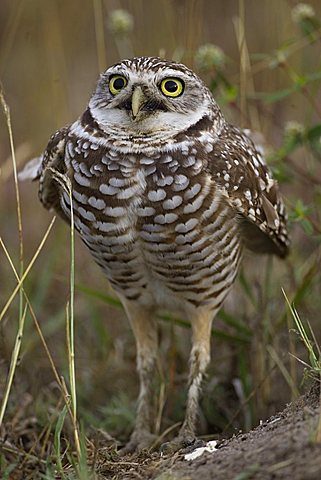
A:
237,166
53,161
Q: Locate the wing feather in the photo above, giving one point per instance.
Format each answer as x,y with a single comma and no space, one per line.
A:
238,167
53,159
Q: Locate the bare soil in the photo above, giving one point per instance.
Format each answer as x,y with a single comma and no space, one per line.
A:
284,447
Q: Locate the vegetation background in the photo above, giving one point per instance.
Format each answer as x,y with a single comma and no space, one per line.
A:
266,75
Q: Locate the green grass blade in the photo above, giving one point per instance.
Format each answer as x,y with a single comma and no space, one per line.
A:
57,440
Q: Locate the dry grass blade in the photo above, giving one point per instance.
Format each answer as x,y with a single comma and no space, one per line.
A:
70,317
100,37
6,110
26,272
289,380
22,309
13,365
54,369
246,77
314,360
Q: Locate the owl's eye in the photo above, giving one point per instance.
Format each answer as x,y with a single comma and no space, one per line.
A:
172,87
117,83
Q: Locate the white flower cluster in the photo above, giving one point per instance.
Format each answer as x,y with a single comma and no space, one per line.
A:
209,56
301,12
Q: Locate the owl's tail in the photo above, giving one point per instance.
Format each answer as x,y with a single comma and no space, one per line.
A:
31,170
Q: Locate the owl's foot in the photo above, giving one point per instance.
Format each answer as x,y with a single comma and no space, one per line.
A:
181,442
139,440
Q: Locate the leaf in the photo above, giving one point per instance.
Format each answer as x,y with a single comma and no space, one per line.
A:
57,438
235,322
313,136
279,94
300,82
101,296
230,93
6,470
314,76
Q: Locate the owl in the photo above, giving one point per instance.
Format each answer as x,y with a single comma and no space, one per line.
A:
166,195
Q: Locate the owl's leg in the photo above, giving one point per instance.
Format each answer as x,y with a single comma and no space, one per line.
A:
145,332
199,360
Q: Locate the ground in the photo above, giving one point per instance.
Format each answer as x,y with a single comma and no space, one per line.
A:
284,447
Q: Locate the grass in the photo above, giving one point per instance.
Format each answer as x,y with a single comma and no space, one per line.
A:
22,309
252,373
312,346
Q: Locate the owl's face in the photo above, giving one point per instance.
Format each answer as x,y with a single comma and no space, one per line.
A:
149,96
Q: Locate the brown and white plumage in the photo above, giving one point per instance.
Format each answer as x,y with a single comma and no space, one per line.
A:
166,195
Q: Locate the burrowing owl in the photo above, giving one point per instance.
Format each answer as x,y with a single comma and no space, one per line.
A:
166,195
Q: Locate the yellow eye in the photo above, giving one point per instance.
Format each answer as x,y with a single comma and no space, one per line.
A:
117,83
172,87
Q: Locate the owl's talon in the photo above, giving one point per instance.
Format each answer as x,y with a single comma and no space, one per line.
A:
181,442
141,440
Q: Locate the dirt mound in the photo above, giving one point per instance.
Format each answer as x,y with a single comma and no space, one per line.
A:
284,447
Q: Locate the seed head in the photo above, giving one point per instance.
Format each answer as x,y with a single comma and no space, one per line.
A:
301,12
294,129
120,22
209,57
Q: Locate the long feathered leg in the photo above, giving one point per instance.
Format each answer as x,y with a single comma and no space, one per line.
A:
145,331
199,360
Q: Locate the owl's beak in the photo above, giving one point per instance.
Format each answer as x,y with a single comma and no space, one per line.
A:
138,98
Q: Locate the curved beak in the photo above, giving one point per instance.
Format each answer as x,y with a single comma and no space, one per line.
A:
138,99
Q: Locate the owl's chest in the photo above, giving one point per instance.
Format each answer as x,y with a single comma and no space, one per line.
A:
118,194
159,207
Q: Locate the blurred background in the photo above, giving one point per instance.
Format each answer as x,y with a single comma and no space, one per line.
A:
262,62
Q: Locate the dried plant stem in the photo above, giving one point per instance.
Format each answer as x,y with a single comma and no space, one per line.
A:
246,76
60,381
100,37
26,272
70,318
33,315
22,309
13,365
294,77
71,325
6,110
289,380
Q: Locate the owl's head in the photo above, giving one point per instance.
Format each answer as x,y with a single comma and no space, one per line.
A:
148,96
